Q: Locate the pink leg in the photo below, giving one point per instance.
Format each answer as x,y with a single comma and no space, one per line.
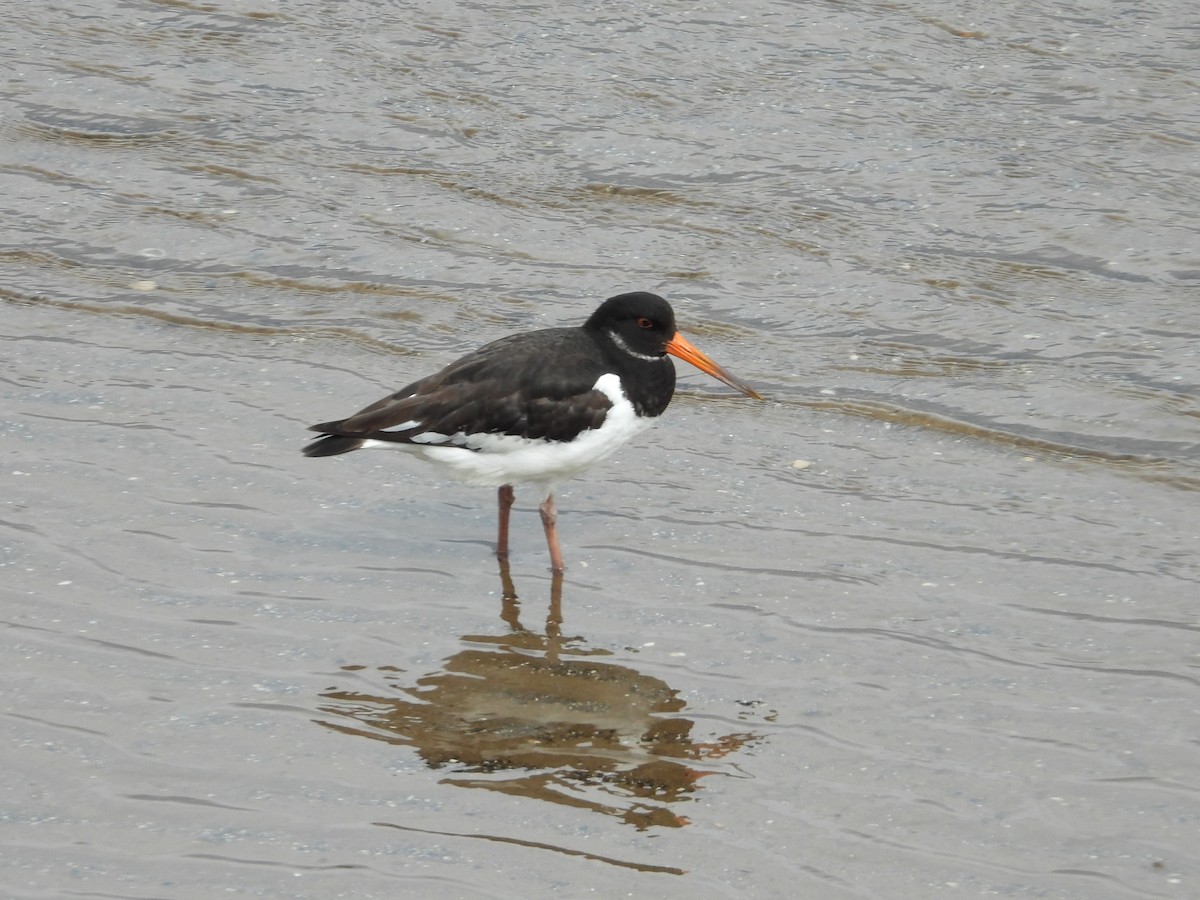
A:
550,523
505,496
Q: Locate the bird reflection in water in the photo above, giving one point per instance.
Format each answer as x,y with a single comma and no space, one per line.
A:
539,716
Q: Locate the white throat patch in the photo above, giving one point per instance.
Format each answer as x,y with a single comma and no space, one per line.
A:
620,342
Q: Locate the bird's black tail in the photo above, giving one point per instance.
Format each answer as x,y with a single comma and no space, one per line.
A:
332,445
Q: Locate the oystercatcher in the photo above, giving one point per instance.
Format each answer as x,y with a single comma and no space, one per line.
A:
538,407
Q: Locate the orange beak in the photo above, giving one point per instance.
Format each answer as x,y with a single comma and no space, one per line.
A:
682,348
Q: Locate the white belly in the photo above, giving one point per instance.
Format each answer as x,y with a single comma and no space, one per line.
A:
504,459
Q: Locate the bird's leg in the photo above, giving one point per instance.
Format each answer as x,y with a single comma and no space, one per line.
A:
505,496
550,522
554,617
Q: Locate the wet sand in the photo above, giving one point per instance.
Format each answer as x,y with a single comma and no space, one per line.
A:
923,621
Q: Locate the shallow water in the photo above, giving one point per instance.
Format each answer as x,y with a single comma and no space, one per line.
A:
924,621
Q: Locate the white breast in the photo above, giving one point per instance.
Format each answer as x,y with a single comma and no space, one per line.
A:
504,459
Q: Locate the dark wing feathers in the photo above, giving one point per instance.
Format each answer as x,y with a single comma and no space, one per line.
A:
536,385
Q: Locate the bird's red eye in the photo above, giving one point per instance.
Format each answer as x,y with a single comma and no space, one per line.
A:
643,322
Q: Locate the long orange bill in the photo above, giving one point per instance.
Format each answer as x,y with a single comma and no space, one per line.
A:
682,348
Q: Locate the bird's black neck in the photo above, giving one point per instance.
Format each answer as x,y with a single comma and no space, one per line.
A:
648,383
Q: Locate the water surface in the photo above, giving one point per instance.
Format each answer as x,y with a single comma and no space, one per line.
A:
923,622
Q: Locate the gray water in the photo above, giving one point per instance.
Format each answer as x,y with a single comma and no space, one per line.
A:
922,624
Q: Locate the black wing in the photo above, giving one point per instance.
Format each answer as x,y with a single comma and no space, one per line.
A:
538,385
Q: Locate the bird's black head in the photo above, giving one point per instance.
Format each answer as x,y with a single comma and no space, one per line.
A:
639,323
